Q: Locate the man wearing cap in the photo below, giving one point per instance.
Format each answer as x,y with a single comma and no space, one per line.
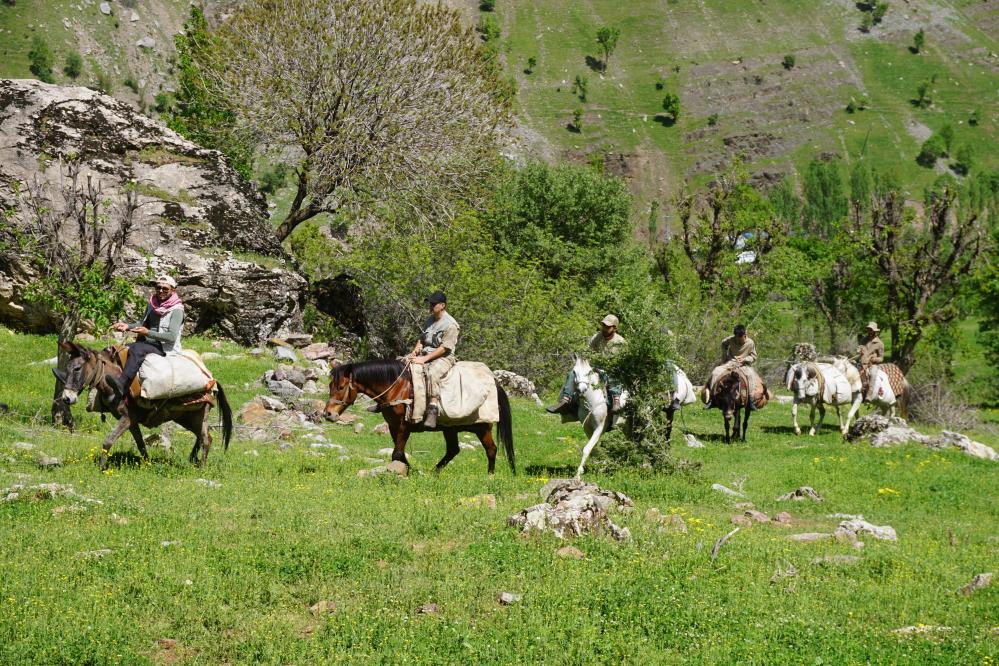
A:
872,352
158,332
606,340
435,349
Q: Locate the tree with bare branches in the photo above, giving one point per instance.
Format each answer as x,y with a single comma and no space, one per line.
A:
923,261
71,236
375,100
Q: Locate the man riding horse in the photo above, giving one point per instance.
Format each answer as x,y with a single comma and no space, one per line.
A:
606,340
738,350
872,351
435,350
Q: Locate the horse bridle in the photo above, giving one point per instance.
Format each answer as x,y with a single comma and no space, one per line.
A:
350,385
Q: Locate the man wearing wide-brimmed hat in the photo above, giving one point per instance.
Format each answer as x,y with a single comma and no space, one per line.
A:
435,349
872,352
606,340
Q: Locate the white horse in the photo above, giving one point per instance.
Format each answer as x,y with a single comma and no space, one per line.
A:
880,393
821,384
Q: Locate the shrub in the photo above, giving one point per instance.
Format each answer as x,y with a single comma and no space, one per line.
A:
964,160
918,41
712,120
274,178
932,150
579,87
163,102
487,5
947,134
577,119
41,59
922,95
131,83
866,23
973,118
788,61
488,28
660,84
879,11
532,62
671,107
74,65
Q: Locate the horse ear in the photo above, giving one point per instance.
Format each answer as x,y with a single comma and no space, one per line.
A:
70,348
59,374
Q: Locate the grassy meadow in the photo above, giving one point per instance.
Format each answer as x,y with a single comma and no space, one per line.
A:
228,574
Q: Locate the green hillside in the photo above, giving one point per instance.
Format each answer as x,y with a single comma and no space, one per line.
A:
725,57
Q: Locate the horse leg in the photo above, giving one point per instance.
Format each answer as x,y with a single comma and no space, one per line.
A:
794,416
594,438
400,435
486,437
670,411
139,442
124,423
854,408
728,426
816,429
451,441
745,421
204,436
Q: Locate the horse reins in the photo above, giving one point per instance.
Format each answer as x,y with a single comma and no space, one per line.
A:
350,385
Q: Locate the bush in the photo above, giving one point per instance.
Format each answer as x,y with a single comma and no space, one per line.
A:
660,84
102,80
274,178
964,160
41,59
918,41
712,120
879,11
947,134
487,5
866,23
788,61
488,28
532,62
163,102
74,65
131,83
577,120
671,106
922,95
579,87
932,150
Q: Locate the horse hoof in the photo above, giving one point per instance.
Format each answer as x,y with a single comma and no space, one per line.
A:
797,431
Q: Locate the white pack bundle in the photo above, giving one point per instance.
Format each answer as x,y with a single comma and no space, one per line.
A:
174,375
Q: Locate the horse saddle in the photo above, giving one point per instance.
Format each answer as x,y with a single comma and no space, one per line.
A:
167,377
468,395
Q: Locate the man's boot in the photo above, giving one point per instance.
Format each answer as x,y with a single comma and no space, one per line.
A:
430,420
117,387
562,407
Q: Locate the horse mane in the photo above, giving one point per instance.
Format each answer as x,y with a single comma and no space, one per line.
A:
371,373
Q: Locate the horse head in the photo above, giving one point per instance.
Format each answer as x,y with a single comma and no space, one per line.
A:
804,380
343,391
584,376
79,373
727,394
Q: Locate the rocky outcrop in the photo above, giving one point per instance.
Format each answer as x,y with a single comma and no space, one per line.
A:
198,219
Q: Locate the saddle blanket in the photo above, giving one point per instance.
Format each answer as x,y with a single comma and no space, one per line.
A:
174,375
468,395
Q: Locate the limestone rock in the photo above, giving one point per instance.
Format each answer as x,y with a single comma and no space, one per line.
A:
979,582
105,8
838,560
515,385
802,493
381,429
726,490
757,516
882,532
810,537
507,598
571,551
573,507
741,521
195,210
692,441
146,43
969,446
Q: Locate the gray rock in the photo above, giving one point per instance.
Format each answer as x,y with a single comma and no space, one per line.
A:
358,428
507,598
810,537
692,441
208,483
969,446
105,8
94,554
758,516
146,43
467,446
802,493
573,508
270,403
134,16
298,340
515,385
47,462
882,532
285,354
191,204
382,429
284,389
24,446
310,387
428,609
980,581
726,490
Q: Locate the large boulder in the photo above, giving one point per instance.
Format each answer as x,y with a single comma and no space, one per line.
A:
198,218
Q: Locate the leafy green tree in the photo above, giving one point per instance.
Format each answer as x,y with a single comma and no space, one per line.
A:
825,198
923,100
785,203
866,22
671,107
532,62
487,5
577,120
197,113
75,248
579,87
918,41
932,149
878,12
607,39
40,57
74,65
964,160
571,222
947,134
788,61
414,112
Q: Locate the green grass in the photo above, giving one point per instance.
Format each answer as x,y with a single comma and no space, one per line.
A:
288,529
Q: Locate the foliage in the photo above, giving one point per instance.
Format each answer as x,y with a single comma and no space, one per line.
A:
274,178
947,134
488,28
413,116
40,57
532,62
785,202
712,120
74,65
671,107
579,86
102,80
932,149
511,316
923,99
487,5
880,8
866,23
607,39
577,119
825,199
788,61
964,159
571,222
196,112
918,41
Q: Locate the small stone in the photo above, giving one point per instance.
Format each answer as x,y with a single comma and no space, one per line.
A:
428,609
251,452
507,598
24,446
571,551
285,354
398,467
119,520
381,429
692,441
467,446
979,582
654,515
802,493
921,629
388,451
167,643
783,519
208,483
47,462
745,505
847,536
741,521
675,522
728,491
758,516
271,404
358,428
133,18
105,8
167,544
323,607
310,387
882,532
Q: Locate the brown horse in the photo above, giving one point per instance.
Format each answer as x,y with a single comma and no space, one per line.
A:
92,369
389,383
731,395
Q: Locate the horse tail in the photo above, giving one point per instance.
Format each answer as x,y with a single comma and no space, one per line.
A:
504,429
225,412
903,400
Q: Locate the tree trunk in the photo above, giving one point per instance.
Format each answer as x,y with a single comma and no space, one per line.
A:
61,414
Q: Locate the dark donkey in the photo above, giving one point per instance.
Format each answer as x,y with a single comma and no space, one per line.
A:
91,369
731,394
389,383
